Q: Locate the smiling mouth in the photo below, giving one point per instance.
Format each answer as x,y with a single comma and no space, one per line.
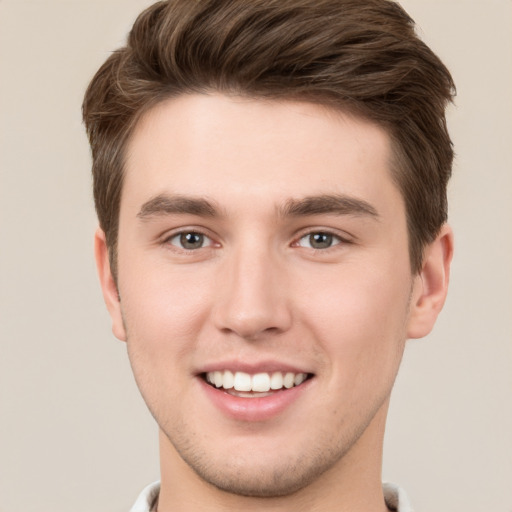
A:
263,384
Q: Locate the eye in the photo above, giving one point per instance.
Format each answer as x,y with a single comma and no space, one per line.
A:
319,240
190,240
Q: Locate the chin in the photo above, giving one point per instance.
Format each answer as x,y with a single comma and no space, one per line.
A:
262,482
261,473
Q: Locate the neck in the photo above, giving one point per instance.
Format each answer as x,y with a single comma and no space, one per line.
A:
352,484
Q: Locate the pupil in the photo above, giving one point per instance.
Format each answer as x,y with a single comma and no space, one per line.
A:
191,240
320,240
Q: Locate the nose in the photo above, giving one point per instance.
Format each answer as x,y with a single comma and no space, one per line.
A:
253,299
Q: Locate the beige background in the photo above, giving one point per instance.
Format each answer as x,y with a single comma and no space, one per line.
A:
74,433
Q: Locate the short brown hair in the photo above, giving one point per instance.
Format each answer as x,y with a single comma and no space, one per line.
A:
359,56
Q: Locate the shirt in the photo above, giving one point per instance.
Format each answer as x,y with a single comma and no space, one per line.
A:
395,497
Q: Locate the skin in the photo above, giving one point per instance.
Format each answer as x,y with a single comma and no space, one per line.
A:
258,291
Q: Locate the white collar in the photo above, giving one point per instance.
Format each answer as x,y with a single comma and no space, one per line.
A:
395,497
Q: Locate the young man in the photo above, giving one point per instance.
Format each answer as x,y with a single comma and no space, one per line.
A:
270,180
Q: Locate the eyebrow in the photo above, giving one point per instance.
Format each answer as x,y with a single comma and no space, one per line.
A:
164,204
336,204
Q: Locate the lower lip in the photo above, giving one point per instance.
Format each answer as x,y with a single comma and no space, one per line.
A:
254,409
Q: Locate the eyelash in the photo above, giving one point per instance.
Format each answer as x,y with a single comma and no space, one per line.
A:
180,234
334,238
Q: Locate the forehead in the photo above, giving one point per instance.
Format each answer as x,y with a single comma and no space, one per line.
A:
232,147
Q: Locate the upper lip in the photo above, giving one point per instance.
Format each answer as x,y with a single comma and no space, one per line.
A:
252,368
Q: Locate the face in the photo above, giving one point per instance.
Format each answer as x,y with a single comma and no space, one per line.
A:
264,286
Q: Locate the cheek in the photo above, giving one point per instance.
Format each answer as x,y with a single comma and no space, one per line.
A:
360,318
163,314
161,300
163,317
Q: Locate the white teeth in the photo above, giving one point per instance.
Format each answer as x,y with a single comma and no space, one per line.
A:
299,379
217,379
259,382
276,381
288,380
242,381
228,380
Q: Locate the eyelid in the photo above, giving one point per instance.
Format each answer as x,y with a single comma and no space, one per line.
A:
166,238
207,241
342,237
336,240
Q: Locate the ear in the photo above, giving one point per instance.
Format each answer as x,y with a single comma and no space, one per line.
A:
108,285
431,285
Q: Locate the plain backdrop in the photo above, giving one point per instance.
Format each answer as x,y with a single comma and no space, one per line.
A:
74,433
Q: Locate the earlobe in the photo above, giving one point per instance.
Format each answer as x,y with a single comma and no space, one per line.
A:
108,284
431,285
